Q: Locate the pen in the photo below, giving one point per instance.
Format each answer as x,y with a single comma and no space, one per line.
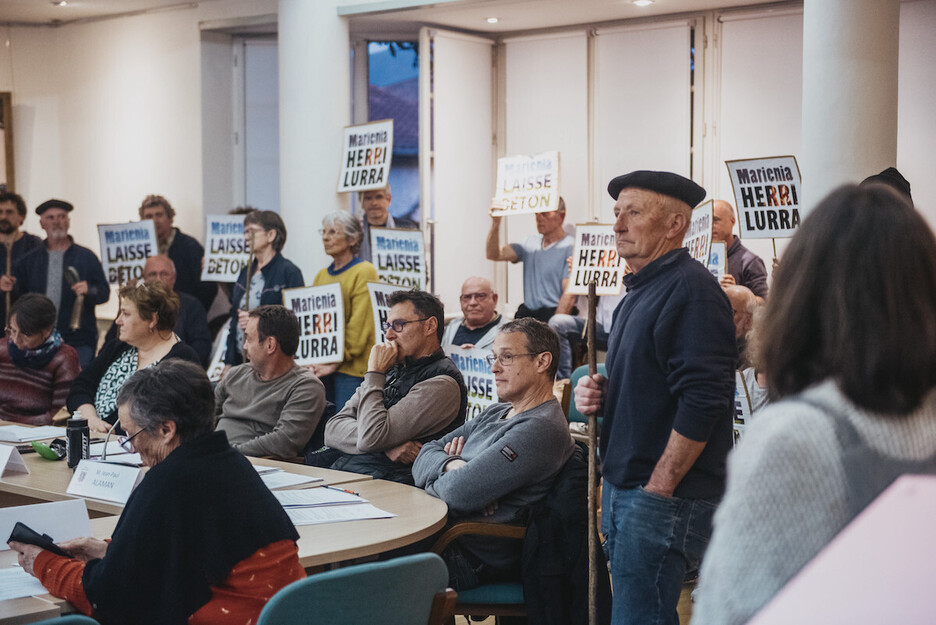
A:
342,490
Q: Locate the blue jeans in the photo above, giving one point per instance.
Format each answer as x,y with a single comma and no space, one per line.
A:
654,540
565,325
339,387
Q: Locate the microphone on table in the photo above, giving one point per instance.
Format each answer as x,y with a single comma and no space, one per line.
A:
106,439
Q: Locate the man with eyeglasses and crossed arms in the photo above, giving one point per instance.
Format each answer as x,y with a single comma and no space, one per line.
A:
412,393
480,320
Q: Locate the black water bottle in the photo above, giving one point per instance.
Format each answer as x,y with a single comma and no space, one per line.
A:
77,440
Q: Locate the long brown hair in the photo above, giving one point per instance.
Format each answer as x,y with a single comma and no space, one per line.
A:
855,301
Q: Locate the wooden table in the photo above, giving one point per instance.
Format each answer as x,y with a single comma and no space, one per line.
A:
48,480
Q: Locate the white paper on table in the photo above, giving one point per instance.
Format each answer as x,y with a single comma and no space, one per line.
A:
15,582
262,469
336,514
22,434
113,449
61,520
316,497
281,479
132,460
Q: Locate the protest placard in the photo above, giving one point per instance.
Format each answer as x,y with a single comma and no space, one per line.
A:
699,235
226,251
718,259
767,194
527,184
216,367
379,292
400,257
595,258
742,407
482,390
320,310
125,248
366,155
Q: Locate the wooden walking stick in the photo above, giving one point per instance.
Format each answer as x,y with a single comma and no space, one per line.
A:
592,464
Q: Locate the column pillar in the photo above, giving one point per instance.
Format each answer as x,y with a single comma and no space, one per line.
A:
850,52
315,104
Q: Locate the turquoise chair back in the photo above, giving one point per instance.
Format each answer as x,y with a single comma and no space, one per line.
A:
396,592
574,414
69,619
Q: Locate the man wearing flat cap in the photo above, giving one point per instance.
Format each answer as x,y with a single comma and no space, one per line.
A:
667,399
68,274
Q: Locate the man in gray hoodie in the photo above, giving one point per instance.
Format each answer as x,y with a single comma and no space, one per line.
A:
504,459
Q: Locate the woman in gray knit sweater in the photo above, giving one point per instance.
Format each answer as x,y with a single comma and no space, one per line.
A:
849,348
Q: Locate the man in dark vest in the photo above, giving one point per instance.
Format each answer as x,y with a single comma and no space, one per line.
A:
412,393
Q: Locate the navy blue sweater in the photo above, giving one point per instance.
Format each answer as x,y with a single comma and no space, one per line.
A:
671,364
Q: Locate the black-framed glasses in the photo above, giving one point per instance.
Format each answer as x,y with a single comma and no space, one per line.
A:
126,442
398,324
467,297
505,359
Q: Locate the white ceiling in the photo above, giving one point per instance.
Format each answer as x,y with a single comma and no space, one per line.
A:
385,16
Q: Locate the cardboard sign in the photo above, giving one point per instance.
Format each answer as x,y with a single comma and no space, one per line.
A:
400,257
226,251
104,480
482,390
699,235
767,195
320,310
365,159
11,461
379,293
742,407
62,520
125,248
528,184
718,259
596,258
217,360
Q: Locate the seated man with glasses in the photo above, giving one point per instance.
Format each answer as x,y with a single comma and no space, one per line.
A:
412,393
503,460
480,321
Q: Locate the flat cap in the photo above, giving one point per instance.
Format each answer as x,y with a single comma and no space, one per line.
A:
65,206
664,182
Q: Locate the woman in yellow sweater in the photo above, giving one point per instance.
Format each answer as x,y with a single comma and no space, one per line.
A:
342,235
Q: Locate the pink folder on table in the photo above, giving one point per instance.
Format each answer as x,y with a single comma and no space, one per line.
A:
880,569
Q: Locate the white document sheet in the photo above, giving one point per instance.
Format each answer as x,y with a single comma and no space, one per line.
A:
282,479
22,434
113,449
335,514
322,496
15,582
59,519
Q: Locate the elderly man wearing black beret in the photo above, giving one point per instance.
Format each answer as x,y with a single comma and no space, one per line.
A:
667,400
68,274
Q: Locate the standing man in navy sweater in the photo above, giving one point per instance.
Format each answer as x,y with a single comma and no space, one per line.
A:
667,399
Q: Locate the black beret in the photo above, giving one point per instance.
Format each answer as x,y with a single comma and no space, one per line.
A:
54,204
663,182
892,178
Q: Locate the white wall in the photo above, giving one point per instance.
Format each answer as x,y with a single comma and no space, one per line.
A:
110,111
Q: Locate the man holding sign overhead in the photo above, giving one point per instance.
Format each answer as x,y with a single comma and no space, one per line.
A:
545,262
667,400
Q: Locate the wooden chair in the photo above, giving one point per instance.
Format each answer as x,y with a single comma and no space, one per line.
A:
498,599
405,591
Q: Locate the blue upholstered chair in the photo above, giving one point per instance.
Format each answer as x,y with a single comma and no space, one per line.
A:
69,619
574,415
405,591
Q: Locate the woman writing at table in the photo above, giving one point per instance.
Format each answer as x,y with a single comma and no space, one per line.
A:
201,540
146,337
341,238
36,367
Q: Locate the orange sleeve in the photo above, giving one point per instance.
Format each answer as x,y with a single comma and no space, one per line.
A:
62,577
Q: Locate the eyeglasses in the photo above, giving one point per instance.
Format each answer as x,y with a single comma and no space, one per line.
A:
127,442
253,230
467,297
505,359
398,324
328,233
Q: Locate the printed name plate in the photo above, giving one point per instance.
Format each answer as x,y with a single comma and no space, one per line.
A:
11,461
104,480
